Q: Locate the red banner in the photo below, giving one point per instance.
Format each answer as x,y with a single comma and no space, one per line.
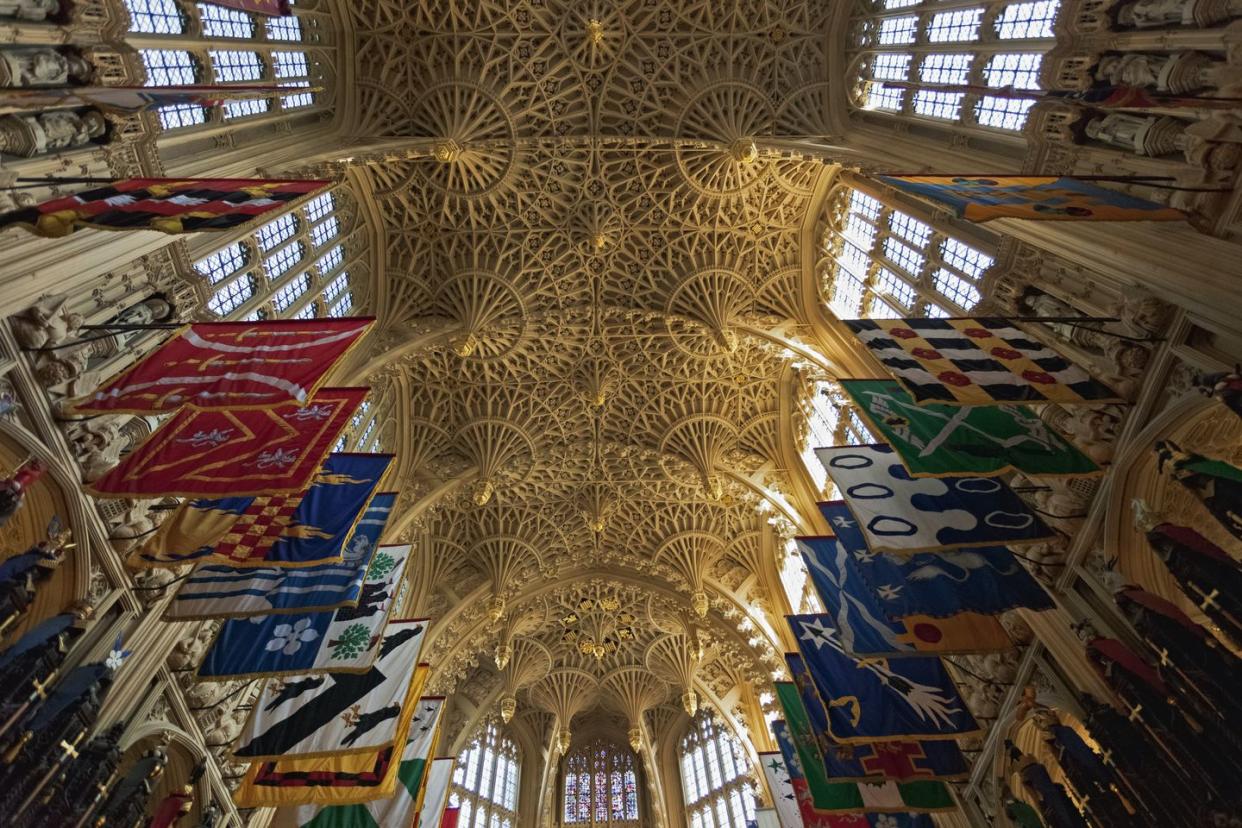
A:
235,453
271,8
233,365
170,205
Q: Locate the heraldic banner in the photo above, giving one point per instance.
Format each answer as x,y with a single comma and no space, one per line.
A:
935,440
349,779
317,714
299,530
987,580
877,700
975,361
343,640
867,630
169,205
231,592
820,798
233,365
257,451
895,761
898,513
1042,197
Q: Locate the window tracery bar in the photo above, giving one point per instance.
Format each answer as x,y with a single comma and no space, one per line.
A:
715,776
905,50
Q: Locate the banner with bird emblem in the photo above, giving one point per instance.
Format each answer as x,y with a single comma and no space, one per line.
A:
876,700
309,714
986,580
343,640
975,362
896,761
228,592
235,453
867,630
934,440
231,365
350,779
306,529
902,514
169,205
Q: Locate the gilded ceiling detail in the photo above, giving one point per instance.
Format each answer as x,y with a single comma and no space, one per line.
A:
593,267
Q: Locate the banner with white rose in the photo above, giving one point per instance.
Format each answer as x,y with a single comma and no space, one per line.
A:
345,640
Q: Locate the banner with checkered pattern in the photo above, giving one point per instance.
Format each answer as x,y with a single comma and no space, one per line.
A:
975,362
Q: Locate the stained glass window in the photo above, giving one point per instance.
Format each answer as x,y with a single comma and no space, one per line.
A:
485,780
602,778
729,800
970,52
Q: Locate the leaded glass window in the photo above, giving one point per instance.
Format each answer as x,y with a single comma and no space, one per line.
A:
485,781
723,796
282,267
971,49
600,786
155,17
885,262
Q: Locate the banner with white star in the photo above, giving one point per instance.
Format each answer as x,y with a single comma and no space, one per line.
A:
877,700
904,515
866,629
784,800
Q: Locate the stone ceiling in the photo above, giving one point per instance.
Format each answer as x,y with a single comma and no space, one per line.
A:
593,258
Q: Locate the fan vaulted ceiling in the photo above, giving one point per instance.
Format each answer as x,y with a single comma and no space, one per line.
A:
593,262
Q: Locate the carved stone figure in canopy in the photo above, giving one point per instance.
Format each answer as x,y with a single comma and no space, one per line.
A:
43,66
29,135
30,10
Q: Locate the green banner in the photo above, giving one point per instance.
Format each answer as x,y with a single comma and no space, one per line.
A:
939,440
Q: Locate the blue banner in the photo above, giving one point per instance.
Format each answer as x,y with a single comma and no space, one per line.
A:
227,592
880,699
901,761
988,580
342,640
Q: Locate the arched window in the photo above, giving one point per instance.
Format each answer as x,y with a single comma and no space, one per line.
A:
292,267
485,782
886,262
601,786
715,777
213,36
910,56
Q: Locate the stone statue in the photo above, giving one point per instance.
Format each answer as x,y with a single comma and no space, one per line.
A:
43,66
29,10
1148,135
1163,14
97,444
61,129
46,323
1179,73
